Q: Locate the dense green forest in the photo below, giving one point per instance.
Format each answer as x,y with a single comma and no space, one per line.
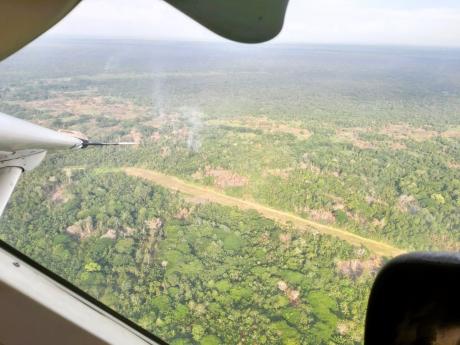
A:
191,273
365,139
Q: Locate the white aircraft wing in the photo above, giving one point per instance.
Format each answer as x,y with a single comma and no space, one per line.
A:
23,145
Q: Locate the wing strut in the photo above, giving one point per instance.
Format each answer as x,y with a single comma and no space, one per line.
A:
8,179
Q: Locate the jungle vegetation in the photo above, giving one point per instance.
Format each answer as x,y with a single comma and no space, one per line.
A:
366,139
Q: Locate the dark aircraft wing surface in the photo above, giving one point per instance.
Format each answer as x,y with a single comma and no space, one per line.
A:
248,21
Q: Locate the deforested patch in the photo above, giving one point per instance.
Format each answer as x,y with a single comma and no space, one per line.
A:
82,229
356,268
225,178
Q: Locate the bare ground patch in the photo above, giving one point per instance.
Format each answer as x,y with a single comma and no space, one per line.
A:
396,133
351,135
451,133
226,178
135,136
404,132
87,105
82,229
59,195
445,242
407,204
322,216
356,268
454,165
266,125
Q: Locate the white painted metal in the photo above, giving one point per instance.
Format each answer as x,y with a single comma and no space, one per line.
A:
11,167
25,159
8,179
23,146
17,134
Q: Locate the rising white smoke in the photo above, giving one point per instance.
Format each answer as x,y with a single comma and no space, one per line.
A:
194,123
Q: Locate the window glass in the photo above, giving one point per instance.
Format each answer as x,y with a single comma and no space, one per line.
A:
269,183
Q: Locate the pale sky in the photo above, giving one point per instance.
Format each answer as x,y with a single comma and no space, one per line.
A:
395,22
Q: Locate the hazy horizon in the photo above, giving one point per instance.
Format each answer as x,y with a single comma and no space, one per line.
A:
224,42
356,22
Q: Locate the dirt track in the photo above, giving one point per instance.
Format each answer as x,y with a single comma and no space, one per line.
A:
211,195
